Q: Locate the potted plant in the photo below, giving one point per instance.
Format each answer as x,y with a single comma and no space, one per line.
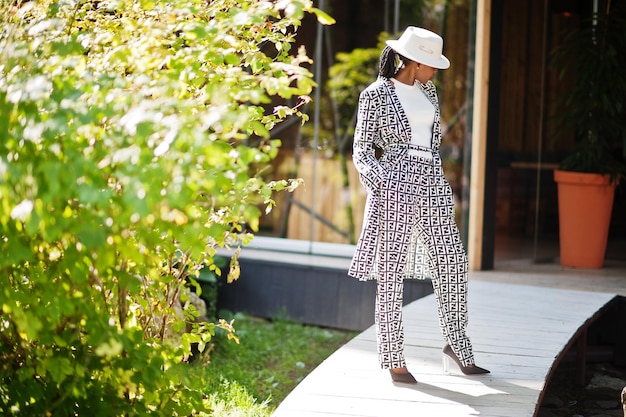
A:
593,107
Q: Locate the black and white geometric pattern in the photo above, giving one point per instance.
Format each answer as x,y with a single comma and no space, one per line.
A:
381,122
414,202
409,230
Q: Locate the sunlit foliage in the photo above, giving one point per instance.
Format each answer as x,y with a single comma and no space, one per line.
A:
125,162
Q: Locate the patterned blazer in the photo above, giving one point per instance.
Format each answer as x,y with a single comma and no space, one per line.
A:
382,123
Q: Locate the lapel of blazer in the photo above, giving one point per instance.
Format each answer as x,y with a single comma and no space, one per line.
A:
405,127
431,92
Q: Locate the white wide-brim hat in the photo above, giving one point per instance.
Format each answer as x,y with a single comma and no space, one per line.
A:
421,45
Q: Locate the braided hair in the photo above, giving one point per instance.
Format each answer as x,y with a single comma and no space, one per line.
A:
389,62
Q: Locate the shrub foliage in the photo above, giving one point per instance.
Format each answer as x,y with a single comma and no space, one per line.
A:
133,136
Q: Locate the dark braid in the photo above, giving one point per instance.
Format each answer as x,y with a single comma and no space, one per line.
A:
387,67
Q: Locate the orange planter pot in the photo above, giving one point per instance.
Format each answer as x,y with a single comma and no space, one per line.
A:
585,205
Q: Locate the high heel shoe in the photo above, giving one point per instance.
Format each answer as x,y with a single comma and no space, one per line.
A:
472,369
402,377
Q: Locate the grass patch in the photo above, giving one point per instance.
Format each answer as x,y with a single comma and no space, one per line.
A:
252,378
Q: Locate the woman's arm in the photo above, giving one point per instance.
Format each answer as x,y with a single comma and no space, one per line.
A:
366,133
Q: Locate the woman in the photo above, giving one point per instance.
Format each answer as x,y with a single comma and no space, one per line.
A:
409,229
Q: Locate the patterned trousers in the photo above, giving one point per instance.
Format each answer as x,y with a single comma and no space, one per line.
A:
417,199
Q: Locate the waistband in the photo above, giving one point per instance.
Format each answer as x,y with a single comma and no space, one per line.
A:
413,150
411,146
420,148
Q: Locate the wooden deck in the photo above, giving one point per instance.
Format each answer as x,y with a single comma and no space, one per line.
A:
519,332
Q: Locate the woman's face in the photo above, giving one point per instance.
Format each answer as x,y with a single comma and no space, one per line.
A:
424,73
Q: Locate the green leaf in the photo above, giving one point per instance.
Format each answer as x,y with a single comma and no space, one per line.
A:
58,368
323,17
232,59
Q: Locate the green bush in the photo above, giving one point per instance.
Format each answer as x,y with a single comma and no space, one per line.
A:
125,162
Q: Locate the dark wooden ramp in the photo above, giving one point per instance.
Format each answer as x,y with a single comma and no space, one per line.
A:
519,332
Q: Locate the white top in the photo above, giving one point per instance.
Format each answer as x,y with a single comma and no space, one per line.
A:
420,112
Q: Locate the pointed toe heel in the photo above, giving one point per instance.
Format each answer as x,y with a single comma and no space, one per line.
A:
402,377
472,369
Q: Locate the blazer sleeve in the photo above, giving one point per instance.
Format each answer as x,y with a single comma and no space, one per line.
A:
366,134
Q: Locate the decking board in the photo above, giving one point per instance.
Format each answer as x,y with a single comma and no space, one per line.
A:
518,332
